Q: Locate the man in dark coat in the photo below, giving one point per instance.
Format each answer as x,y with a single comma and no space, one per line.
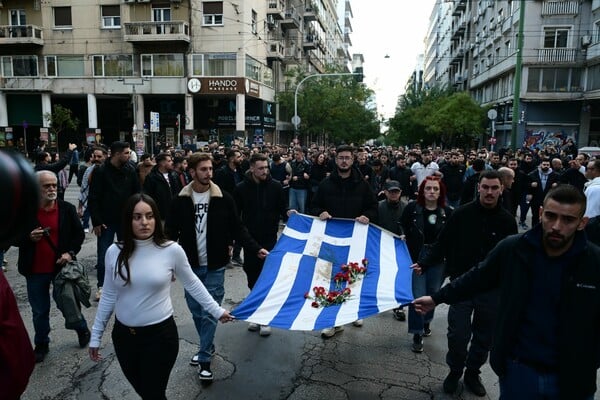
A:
541,180
162,184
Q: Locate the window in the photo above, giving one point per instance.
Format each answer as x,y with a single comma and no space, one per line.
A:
19,66
593,78
212,13
111,16
162,64
555,38
253,69
64,66
596,32
254,22
62,17
554,80
113,65
214,64
161,14
17,17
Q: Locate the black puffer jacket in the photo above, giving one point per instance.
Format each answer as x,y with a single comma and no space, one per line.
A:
345,198
162,192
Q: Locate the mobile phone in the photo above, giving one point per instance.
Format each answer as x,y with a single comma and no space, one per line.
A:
46,231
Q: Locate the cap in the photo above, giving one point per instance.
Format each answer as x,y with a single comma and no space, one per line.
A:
392,185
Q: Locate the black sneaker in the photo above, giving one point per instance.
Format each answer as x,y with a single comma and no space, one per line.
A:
426,330
451,382
204,372
84,337
473,383
417,346
399,314
40,352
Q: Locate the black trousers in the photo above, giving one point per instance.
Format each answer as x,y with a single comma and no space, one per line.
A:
147,355
470,332
252,267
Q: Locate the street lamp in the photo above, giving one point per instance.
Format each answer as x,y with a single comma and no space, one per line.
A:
133,83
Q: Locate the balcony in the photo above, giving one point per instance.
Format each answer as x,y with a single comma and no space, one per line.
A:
310,14
316,62
459,8
309,42
291,20
557,55
276,8
292,55
458,28
275,50
21,35
164,31
550,8
457,55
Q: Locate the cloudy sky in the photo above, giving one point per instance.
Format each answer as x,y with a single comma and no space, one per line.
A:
389,27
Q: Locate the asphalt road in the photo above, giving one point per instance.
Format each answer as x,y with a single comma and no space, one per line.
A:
372,362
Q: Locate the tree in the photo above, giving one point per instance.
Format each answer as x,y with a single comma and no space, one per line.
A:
60,119
333,106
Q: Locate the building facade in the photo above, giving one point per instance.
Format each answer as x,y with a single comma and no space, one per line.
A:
155,71
554,95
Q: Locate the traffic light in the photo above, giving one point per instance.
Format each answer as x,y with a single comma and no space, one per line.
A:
359,77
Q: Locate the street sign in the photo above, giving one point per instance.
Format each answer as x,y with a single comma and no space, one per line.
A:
154,121
296,120
492,114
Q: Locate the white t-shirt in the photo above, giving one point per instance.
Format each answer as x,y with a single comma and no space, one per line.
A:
146,300
201,201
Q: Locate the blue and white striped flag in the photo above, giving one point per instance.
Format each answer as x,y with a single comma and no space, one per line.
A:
310,253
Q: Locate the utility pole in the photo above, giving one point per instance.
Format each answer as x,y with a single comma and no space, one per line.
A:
133,83
516,111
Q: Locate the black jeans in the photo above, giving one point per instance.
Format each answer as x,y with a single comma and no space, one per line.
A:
147,355
471,321
252,267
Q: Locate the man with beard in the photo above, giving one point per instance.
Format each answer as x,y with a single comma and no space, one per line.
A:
425,167
405,177
541,181
471,321
548,280
453,173
162,184
573,175
517,187
98,157
261,203
526,166
344,194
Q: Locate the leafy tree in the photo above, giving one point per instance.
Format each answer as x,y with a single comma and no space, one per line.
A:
336,106
61,119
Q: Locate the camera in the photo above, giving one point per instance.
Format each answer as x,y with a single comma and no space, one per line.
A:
46,231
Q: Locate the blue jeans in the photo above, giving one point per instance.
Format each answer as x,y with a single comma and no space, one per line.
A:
38,292
103,242
425,284
521,382
298,199
206,324
85,219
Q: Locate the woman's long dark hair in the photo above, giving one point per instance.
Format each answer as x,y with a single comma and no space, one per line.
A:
127,245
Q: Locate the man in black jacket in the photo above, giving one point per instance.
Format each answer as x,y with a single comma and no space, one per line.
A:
162,184
549,282
344,194
469,235
541,180
113,183
406,178
205,221
261,203
57,222
453,173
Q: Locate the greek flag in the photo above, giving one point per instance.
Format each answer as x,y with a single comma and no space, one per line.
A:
309,254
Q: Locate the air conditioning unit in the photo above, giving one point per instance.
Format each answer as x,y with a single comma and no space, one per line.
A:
586,40
128,1
144,1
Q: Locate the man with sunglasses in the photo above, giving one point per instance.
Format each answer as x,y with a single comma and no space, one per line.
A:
470,233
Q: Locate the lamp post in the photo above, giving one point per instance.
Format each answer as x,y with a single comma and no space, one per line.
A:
133,83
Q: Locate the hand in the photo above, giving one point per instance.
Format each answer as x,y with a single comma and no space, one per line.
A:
412,178
226,317
98,229
423,304
417,268
79,211
262,253
72,146
306,176
534,184
36,234
324,215
64,258
291,211
94,354
362,219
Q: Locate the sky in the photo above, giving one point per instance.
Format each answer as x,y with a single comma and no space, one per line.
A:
389,27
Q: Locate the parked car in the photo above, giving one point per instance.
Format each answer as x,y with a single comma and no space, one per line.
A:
590,151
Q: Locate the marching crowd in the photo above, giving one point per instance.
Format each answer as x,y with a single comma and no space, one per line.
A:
183,216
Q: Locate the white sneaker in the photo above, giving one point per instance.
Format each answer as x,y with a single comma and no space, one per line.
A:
252,327
358,323
330,332
265,330
86,230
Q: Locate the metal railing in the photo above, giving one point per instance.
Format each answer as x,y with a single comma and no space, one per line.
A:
563,54
560,8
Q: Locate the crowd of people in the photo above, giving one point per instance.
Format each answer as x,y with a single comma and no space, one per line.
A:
188,215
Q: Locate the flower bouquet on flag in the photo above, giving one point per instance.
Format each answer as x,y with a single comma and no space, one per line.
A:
311,281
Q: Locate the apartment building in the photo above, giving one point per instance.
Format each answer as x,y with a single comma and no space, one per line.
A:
148,71
473,45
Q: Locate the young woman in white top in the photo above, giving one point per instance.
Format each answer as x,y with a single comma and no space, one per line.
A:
137,289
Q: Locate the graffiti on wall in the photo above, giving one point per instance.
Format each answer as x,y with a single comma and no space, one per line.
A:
538,138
